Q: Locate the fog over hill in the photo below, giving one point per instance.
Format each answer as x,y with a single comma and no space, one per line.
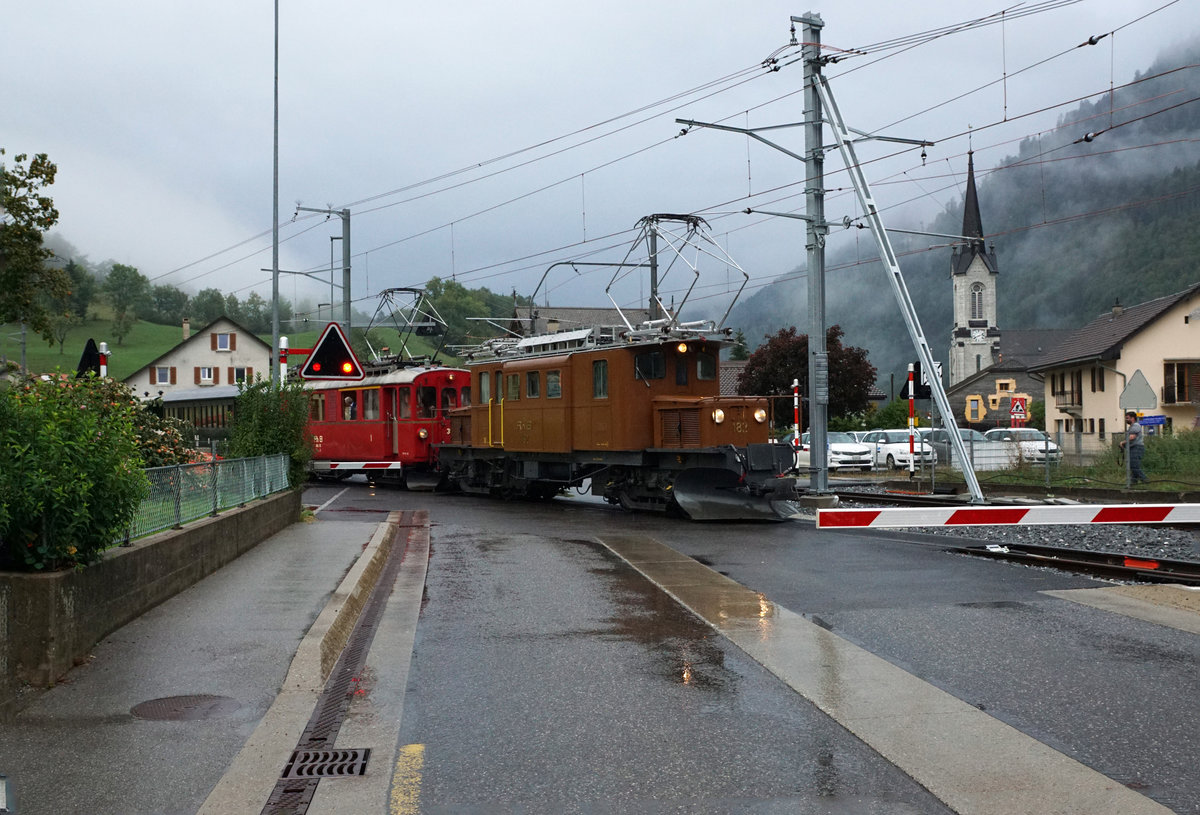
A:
1077,224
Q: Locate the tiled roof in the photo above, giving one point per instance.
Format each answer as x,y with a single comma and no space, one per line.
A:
1102,338
731,369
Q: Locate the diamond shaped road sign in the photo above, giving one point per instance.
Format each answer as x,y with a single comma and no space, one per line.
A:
1138,393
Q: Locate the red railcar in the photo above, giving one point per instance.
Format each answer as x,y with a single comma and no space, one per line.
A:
386,425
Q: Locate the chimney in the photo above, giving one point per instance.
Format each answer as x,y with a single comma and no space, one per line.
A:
187,328
1117,309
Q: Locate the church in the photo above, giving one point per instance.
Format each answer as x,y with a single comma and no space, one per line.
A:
988,367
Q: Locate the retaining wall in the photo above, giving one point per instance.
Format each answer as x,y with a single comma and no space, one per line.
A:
49,621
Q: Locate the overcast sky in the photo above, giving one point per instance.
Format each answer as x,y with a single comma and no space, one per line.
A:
159,117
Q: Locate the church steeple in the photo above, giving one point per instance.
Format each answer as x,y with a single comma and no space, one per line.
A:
972,227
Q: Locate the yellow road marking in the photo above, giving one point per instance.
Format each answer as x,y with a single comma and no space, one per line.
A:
406,780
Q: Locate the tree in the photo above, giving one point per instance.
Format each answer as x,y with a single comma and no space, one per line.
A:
207,306
83,289
25,215
257,314
739,351
170,305
127,290
784,357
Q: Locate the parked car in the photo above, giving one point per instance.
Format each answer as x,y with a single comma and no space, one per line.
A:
982,452
844,452
1027,444
890,449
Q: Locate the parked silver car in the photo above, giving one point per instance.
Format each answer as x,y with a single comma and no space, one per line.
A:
1027,444
983,453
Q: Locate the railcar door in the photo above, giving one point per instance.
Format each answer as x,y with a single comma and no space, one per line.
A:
391,424
496,430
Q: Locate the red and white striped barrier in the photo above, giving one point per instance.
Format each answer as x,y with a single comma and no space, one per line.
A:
357,465
1023,516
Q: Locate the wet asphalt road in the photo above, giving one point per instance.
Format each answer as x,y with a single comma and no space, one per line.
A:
547,677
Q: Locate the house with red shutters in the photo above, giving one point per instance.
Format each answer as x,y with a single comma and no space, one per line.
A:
197,380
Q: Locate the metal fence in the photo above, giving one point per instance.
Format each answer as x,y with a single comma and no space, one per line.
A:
188,492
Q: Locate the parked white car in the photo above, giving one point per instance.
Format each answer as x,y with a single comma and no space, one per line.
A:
844,452
890,449
1029,444
982,452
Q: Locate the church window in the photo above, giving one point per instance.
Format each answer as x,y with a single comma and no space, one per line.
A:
977,301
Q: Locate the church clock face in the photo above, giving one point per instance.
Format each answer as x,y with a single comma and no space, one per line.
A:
978,335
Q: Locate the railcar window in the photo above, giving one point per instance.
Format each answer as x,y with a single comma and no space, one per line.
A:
349,406
499,389
449,399
426,402
553,384
706,366
464,398
650,365
514,387
681,372
316,407
600,379
533,383
370,402
485,388
404,397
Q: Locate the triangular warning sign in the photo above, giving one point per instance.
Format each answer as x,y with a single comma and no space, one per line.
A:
331,357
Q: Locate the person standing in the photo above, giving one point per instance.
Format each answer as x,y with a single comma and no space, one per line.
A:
1135,445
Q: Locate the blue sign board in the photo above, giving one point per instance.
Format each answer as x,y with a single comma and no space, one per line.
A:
1152,420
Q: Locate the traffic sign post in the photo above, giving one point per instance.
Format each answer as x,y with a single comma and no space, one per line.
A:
1018,412
332,357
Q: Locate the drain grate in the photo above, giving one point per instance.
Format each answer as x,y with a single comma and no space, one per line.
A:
327,763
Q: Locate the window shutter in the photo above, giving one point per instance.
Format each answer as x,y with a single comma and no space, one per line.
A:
249,374
232,344
230,372
197,369
172,374
153,375
216,375
213,340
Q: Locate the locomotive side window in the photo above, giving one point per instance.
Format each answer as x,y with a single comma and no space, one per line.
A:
513,392
485,388
449,399
600,379
533,382
404,397
499,387
706,366
370,400
426,402
650,365
553,384
316,407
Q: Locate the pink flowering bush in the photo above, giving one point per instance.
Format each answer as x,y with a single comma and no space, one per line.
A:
71,475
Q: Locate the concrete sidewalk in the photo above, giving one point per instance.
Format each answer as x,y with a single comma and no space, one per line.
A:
228,643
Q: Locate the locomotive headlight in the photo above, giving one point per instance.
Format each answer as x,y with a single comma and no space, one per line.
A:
718,415
760,415
423,433
682,348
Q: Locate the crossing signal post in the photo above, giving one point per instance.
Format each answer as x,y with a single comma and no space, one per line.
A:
332,357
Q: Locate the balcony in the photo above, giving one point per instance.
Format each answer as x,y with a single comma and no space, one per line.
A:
1068,400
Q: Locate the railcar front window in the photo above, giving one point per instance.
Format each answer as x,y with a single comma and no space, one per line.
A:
465,398
681,370
600,379
533,382
553,384
426,402
316,407
706,366
650,365
485,388
449,399
513,393
404,397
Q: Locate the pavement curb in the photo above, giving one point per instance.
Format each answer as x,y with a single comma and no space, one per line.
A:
252,774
